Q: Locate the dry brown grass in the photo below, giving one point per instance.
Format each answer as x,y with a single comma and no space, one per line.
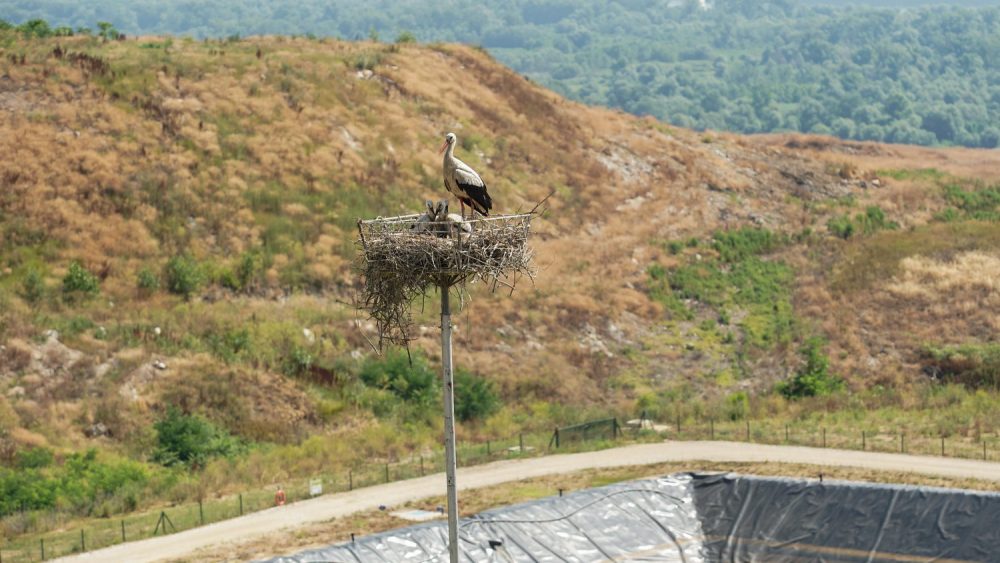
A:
221,155
472,502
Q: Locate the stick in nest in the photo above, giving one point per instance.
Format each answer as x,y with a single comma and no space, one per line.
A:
399,265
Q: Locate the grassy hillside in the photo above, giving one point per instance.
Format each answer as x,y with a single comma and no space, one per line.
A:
891,71
194,202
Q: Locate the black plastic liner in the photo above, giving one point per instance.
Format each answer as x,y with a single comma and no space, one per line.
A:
761,519
693,518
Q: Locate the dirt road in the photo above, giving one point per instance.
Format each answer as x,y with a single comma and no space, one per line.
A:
392,494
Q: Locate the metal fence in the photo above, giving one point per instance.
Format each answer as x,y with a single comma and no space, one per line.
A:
40,545
99,533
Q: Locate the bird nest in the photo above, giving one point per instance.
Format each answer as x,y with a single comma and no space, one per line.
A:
399,262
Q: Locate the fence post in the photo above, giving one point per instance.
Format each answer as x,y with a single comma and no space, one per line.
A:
863,441
711,428
487,447
350,480
123,531
557,437
786,433
678,424
824,436
984,449
902,443
83,541
614,428
748,430
387,473
520,442
421,465
241,504
201,512
41,542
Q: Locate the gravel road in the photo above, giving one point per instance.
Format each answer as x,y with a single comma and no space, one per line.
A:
342,504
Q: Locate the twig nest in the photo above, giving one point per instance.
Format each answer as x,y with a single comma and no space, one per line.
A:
401,257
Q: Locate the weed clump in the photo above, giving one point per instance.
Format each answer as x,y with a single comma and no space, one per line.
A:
973,365
79,281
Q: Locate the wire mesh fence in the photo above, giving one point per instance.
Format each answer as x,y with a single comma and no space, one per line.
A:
595,434
99,533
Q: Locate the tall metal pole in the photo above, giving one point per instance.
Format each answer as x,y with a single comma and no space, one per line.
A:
449,423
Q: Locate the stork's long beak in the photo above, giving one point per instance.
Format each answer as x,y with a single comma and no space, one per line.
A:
444,146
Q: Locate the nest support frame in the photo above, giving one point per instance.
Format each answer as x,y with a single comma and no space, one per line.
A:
399,262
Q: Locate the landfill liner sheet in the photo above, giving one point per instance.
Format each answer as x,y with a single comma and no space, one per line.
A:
694,518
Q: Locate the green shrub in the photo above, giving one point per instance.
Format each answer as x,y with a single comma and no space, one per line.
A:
297,361
973,365
79,281
412,382
183,276
814,378
107,31
33,287
475,397
740,244
247,270
406,37
147,280
981,204
34,458
873,220
737,405
190,440
660,290
366,60
230,345
77,484
841,226
870,222
35,28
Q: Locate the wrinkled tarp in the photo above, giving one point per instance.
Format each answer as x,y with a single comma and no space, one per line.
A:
765,519
709,518
648,520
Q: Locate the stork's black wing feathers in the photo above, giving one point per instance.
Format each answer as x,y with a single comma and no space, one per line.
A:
479,199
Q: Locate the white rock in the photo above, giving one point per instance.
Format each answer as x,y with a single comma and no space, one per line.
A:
309,336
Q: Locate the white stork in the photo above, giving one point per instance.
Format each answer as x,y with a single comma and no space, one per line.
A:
462,181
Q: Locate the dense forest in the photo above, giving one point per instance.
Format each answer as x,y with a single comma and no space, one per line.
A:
893,70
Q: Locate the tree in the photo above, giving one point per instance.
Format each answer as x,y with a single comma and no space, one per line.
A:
35,28
943,123
190,440
814,377
107,31
183,276
412,381
475,397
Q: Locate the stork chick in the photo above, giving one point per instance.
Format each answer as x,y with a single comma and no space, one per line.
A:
452,224
423,223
